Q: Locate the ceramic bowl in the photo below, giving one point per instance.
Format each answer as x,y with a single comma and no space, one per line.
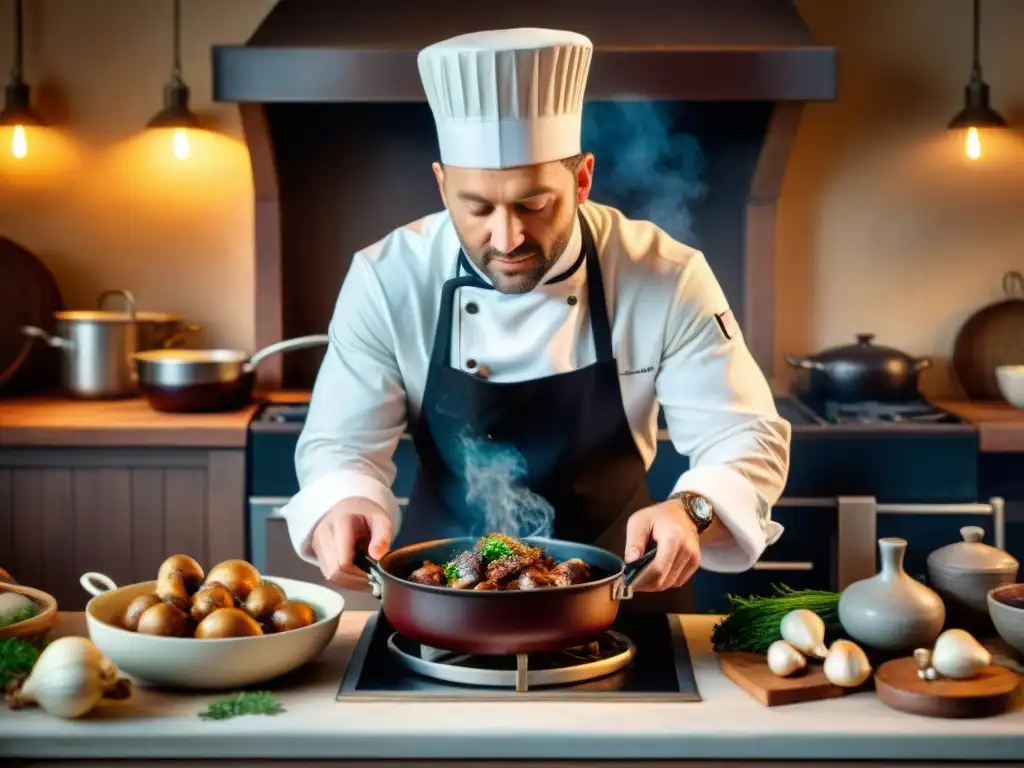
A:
1006,607
1010,379
188,662
39,624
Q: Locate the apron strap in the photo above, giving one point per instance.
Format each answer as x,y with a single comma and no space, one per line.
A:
599,323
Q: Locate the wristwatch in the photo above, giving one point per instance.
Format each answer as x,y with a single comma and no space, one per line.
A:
697,507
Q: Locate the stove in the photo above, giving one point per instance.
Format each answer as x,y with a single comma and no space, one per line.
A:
643,657
913,414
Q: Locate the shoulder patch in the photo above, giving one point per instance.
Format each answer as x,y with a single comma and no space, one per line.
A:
727,324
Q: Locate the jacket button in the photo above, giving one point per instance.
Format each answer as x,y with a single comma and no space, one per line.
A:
472,308
471,363
571,301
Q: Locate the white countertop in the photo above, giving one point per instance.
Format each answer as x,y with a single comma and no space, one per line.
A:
727,725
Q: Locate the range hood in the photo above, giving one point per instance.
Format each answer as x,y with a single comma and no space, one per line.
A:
690,50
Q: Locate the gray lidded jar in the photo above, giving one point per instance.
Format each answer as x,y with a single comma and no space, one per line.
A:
963,574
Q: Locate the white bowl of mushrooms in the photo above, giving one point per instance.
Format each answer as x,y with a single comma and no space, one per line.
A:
229,628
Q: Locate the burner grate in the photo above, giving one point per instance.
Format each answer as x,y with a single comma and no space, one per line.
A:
605,656
884,413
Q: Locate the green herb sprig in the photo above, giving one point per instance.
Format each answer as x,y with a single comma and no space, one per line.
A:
451,571
245,703
753,622
17,657
494,548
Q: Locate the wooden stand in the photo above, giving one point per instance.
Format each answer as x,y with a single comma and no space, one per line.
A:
990,693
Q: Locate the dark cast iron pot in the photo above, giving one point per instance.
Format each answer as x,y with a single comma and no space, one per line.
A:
861,372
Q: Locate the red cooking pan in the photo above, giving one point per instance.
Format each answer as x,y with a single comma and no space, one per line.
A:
499,622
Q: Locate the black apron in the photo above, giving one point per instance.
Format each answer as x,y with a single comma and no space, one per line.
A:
570,430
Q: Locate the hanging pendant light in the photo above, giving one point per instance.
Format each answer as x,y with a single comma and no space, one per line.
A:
977,113
18,110
176,114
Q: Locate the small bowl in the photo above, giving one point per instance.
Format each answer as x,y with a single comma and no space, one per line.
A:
1010,379
189,662
1006,607
39,624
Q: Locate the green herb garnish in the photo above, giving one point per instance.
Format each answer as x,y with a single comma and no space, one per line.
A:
451,571
753,622
496,547
245,703
17,657
23,614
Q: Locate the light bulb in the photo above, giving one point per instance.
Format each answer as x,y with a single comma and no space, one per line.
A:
181,148
972,144
19,143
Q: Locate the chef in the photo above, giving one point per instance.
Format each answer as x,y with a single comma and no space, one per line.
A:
529,321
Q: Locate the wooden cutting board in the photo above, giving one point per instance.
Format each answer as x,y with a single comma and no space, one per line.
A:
992,692
750,672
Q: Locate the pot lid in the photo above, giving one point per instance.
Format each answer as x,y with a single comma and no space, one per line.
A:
972,554
105,316
864,349
94,316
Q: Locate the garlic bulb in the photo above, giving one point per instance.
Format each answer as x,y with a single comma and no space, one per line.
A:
785,660
958,655
805,631
69,679
846,664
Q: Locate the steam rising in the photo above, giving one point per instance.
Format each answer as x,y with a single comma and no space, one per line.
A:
494,474
646,166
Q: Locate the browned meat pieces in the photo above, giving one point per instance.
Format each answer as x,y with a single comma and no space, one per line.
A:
572,571
487,585
534,578
465,571
505,567
430,574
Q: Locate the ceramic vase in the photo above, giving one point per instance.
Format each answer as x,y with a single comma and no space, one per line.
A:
891,611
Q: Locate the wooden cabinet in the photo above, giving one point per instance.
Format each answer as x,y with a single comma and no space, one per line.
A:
119,511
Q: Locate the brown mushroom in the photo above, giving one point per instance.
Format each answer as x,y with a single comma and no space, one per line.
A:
177,580
263,600
227,622
238,576
135,609
163,619
209,599
291,615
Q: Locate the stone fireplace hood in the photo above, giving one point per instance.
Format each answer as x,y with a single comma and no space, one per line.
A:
688,50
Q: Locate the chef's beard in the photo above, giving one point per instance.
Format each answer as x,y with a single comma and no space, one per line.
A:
526,280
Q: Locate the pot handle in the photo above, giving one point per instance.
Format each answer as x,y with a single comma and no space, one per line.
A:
370,565
129,299
623,589
284,346
1013,285
53,341
803,362
96,583
921,363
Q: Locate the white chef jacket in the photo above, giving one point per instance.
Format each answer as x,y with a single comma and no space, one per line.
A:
670,349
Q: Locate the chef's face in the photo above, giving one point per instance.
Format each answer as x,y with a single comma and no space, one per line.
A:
514,223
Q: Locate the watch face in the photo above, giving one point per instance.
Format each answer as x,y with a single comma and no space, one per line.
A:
701,507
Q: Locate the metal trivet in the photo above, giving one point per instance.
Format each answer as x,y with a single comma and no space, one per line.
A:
573,665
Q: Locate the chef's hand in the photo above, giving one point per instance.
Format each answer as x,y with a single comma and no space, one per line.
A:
670,527
342,533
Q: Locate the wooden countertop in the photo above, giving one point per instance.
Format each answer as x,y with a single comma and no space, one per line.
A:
1000,425
727,725
53,421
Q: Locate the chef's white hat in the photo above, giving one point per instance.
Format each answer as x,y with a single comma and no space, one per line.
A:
507,97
